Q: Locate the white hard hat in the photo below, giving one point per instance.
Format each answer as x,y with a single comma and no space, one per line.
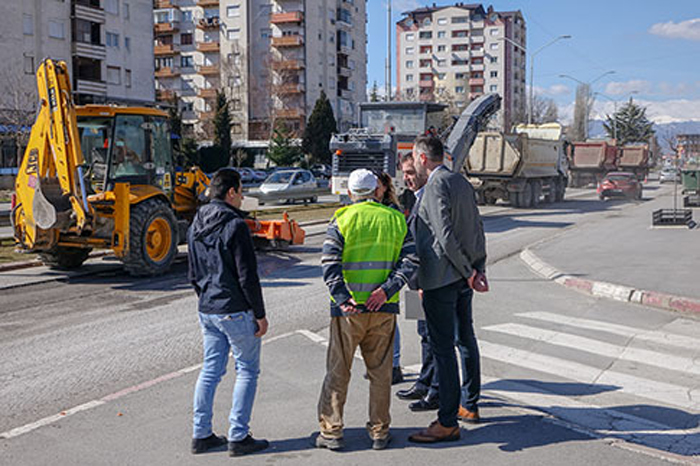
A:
362,182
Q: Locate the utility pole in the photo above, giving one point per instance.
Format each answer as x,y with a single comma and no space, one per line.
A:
387,79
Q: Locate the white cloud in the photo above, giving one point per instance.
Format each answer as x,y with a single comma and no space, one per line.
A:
689,29
558,89
665,111
621,88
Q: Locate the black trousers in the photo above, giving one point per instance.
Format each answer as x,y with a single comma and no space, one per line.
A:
448,313
427,379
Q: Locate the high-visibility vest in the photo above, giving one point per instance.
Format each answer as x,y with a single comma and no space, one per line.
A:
374,235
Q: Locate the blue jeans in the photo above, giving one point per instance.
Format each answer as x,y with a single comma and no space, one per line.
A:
448,313
397,348
223,333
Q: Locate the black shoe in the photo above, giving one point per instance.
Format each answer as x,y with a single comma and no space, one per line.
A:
332,444
246,446
200,445
425,404
413,393
381,443
396,375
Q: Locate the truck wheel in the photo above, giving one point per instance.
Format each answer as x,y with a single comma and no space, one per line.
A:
64,258
536,193
525,196
153,238
560,191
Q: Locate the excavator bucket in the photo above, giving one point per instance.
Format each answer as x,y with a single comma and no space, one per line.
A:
276,234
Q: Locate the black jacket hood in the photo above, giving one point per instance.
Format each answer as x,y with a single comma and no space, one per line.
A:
211,219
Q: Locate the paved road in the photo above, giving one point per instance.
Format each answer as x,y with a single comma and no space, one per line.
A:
589,362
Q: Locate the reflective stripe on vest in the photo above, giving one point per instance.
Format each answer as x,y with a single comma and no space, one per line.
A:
374,235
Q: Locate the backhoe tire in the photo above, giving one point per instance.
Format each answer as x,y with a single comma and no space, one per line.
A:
153,238
64,258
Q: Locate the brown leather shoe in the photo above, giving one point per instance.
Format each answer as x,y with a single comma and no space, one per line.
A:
465,415
436,432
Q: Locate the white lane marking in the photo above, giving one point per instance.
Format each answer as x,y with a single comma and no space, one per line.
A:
664,338
672,394
17,431
315,337
567,340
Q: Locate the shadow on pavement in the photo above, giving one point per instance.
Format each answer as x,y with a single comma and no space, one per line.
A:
512,224
559,388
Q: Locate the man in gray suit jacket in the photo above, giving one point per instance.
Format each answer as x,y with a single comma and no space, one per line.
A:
452,250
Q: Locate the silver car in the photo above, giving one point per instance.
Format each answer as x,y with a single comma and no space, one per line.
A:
669,175
289,185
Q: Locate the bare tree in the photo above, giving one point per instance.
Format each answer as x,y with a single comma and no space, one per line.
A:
544,110
18,101
582,110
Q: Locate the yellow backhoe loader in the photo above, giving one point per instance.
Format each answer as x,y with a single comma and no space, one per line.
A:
102,176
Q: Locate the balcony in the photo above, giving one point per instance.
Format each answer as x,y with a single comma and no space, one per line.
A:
165,49
344,48
476,81
287,17
208,70
207,3
92,51
206,115
479,67
345,94
344,71
475,53
209,93
475,95
91,87
288,65
165,95
166,28
426,83
163,4
289,113
287,89
208,47
208,24
89,13
167,72
288,41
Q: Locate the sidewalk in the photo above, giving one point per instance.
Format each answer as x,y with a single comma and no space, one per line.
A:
625,250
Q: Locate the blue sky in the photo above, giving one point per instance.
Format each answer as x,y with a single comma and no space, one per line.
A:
653,47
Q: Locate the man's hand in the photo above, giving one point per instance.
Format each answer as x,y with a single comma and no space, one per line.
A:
262,327
478,282
349,307
376,300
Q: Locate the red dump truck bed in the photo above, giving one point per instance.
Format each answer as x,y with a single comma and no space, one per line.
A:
634,156
598,156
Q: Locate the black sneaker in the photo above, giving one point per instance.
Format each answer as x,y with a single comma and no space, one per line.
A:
396,375
333,444
381,443
200,445
246,446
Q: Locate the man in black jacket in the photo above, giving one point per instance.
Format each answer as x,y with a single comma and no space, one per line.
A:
223,271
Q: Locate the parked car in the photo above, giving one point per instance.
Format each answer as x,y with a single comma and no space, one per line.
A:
290,185
246,174
620,184
260,175
669,175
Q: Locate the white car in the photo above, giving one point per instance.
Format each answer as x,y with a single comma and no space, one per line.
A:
669,175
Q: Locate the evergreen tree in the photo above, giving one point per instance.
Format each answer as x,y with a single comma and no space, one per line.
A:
282,152
629,124
374,93
188,149
318,131
222,124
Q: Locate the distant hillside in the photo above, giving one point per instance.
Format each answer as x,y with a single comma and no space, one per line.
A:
663,130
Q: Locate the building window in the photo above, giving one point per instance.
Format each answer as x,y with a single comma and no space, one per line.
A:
442,63
425,35
28,25
409,77
494,59
426,63
460,47
187,106
460,33
493,88
236,128
494,46
112,6
56,30
187,16
28,64
233,11
442,21
186,38
409,50
441,76
460,75
164,62
459,90
265,33
186,85
426,49
442,48
233,34
112,39
441,34
410,36
127,73
494,31
113,75
127,44
187,61
460,62
236,105
409,63
127,15
494,74
460,19
478,32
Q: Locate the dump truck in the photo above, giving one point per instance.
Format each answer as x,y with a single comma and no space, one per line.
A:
522,168
103,176
634,158
590,161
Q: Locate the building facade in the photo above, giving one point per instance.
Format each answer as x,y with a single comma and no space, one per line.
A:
457,53
272,58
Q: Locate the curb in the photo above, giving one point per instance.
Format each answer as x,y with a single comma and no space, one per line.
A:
611,290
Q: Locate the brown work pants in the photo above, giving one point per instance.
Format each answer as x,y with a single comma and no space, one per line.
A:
373,332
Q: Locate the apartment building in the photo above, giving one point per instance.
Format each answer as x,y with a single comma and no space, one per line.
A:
271,57
460,52
99,39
